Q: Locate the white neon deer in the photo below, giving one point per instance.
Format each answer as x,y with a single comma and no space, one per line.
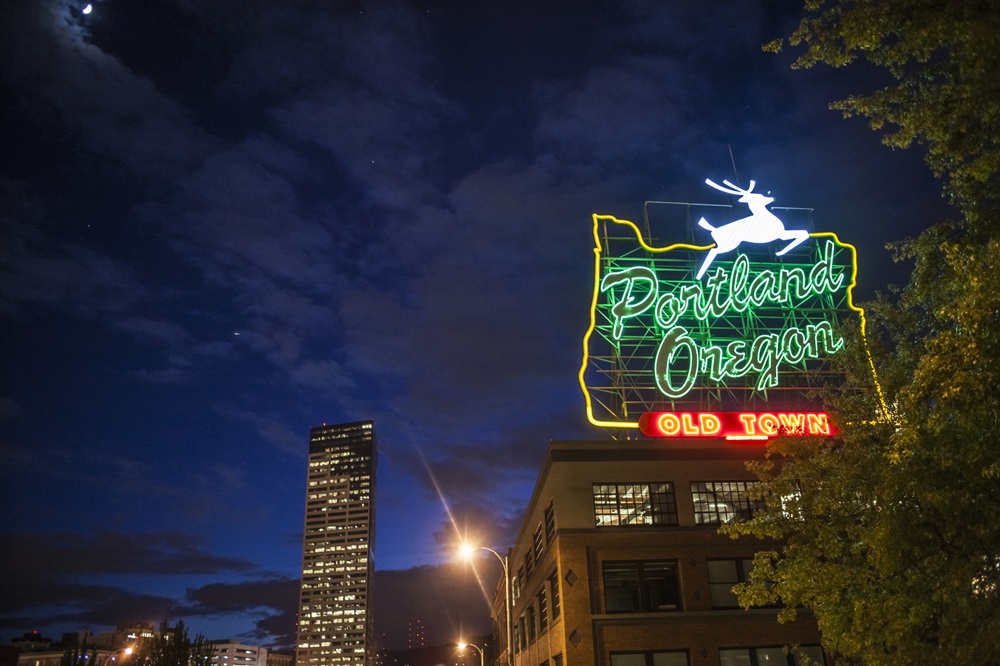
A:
761,227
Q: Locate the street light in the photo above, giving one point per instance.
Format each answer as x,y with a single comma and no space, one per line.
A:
482,659
467,551
110,658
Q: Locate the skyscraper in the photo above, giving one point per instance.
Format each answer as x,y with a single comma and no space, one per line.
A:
335,601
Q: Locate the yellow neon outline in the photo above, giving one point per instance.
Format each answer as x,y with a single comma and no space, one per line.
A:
649,248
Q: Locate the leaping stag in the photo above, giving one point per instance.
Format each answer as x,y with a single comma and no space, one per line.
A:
761,227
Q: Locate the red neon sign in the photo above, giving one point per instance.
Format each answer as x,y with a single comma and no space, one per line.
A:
735,425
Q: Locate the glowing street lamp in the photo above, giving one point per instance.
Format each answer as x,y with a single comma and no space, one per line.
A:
466,551
112,657
482,659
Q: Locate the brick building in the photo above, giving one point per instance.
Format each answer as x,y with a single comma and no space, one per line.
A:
619,562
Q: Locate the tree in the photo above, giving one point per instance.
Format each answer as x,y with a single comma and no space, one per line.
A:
76,655
943,57
172,647
890,532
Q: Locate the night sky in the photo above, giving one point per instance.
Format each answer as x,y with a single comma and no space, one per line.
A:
227,222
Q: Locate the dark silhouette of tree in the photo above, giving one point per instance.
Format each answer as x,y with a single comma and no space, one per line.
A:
76,655
171,646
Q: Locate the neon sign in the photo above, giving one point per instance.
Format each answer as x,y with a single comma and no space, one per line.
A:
727,291
735,425
747,322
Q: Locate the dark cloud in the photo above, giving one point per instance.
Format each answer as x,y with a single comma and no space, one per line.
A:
55,576
67,554
273,601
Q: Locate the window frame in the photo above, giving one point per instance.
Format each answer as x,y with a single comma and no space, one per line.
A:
649,656
733,495
550,522
643,591
657,502
743,566
543,611
554,594
791,656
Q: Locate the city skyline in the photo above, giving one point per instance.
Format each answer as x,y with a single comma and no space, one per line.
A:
224,226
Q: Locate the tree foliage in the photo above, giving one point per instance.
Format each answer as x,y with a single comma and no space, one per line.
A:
943,59
77,655
171,646
890,532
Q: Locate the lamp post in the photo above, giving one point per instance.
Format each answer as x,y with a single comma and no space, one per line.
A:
467,552
110,659
482,659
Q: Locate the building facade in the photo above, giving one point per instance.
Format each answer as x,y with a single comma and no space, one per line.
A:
335,602
234,653
619,562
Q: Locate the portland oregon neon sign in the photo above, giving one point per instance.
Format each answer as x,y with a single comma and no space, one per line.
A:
744,326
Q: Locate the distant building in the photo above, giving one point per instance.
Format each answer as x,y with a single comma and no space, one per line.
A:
619,563
233,653
335,603
47,658
33,649
416,636
279,659
124,635
32,641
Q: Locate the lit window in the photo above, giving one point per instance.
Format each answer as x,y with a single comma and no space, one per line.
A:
634,504
718,502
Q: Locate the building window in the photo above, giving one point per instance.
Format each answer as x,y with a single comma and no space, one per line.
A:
550,522
554,586
543,612
539,542
770,656
529,563
515,585
722,575
673,658
641,587
634,504
530,622
718,502
517,637
520,625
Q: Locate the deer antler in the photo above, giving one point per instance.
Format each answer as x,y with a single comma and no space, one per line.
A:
739,189
733,189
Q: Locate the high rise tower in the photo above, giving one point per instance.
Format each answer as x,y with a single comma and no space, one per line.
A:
335,601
